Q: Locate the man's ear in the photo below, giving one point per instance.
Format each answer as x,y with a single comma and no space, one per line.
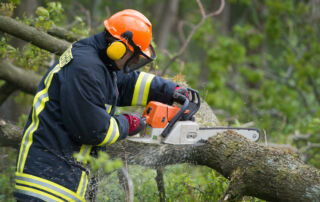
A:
116,50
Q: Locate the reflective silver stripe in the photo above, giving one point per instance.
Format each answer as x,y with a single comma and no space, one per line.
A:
47,187
57,67
84,183
108,108
40,99
114,131
37,195
38,103
34,124
84,152
86,148
142,88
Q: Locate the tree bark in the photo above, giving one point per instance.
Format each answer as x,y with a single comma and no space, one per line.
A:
254,170
31,34
63,34
24,80
160,184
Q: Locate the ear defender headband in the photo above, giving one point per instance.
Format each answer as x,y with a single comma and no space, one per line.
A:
116,50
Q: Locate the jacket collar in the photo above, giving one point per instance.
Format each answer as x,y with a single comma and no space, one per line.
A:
99,42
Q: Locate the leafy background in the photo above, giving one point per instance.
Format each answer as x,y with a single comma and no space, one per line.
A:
256,64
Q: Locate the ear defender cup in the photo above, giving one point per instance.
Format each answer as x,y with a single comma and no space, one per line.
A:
116,50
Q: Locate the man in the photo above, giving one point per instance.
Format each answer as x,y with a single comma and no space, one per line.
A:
73,109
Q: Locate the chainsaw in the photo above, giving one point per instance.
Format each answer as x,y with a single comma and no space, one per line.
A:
176,125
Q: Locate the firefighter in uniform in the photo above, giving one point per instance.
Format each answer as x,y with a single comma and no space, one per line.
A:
73,109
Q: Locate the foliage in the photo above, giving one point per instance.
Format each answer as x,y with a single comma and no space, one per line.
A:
265,69
7,170
182,183
261,68
102,161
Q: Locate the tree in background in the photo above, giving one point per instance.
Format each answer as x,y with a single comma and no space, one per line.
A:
256,64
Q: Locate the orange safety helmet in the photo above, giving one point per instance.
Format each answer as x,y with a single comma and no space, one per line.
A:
135,31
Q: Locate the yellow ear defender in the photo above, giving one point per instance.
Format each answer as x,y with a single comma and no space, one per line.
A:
116,50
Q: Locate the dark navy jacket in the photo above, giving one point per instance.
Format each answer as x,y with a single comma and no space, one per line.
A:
73,112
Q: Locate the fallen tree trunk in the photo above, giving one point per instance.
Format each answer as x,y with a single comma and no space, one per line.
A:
253,169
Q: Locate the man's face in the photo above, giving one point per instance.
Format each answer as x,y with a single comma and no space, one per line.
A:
121,62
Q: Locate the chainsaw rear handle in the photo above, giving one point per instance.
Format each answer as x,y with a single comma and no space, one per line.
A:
193,106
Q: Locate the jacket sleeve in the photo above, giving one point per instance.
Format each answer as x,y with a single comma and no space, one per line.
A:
83,108
139,88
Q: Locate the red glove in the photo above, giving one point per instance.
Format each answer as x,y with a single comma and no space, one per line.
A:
136,123
179,94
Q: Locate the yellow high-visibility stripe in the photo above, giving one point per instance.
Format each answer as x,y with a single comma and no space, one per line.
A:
141,89
49,186
85,187
108,108
146,91
112,134
38,105
85,152
36,193
115,134
82,184
44,188
136,89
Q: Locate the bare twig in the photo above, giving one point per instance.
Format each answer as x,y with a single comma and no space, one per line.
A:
180,31
87,13
195,28
126,182
265,137
160,184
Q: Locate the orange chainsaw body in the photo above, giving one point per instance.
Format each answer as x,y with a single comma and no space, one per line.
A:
158,115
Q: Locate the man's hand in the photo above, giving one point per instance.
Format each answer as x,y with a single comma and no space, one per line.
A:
136,123
180,94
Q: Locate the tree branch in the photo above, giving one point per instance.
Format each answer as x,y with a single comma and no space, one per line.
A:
195,28
32,35
264,172
126,183
160,184
27,81
63,34
10,135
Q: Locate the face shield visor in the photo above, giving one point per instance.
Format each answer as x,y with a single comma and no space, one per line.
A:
139,58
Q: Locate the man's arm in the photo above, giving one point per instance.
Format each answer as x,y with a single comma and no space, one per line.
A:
139,88
83,108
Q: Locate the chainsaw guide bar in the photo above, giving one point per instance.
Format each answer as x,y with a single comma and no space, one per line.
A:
175,125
